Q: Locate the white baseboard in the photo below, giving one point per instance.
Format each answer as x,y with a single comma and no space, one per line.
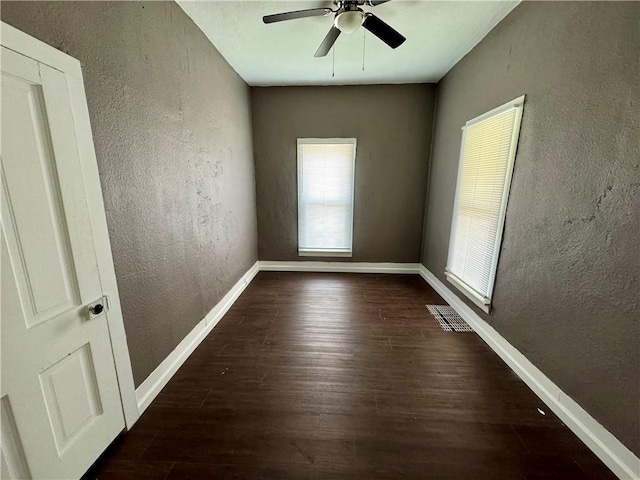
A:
622,461
154,383
339,267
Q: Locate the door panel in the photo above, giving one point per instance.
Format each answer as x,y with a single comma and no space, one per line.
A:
71,395
58,370
44,264
13,462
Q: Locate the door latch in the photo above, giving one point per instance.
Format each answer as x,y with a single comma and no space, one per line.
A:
97,308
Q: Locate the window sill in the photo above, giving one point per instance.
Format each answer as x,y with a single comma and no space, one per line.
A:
484,305
325,253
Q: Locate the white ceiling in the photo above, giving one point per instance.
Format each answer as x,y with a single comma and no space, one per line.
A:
439,34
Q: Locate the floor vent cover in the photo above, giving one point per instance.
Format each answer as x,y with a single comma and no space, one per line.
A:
448,319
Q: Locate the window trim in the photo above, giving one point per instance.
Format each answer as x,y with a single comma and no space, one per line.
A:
484,302
337,252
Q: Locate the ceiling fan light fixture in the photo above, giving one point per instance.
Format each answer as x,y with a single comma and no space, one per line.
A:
350,21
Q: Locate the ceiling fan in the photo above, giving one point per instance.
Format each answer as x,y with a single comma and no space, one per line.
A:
348,16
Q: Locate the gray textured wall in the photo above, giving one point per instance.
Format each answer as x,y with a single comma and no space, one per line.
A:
567,286
393,126
172,130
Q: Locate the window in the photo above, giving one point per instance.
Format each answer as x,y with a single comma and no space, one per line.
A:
325,196
484,175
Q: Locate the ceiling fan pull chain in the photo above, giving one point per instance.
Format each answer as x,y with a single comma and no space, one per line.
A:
364,45
333,66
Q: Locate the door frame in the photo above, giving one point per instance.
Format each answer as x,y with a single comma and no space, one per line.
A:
26,45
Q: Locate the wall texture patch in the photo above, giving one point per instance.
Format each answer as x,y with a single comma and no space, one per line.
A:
172,130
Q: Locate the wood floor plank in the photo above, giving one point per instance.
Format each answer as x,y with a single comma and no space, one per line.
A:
318,375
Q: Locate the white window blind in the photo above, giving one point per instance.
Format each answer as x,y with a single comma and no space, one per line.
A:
484,176
325,196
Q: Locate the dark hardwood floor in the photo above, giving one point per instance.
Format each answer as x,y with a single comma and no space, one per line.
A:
340,376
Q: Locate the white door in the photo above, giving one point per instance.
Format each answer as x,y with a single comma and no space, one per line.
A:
59,391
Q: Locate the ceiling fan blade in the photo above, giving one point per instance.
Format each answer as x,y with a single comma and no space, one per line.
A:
374,3
281,17
383,31
328,42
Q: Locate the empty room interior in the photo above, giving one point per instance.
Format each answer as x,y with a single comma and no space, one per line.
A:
359,239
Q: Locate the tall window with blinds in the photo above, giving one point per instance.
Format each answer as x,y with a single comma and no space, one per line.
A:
487,157
326,169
